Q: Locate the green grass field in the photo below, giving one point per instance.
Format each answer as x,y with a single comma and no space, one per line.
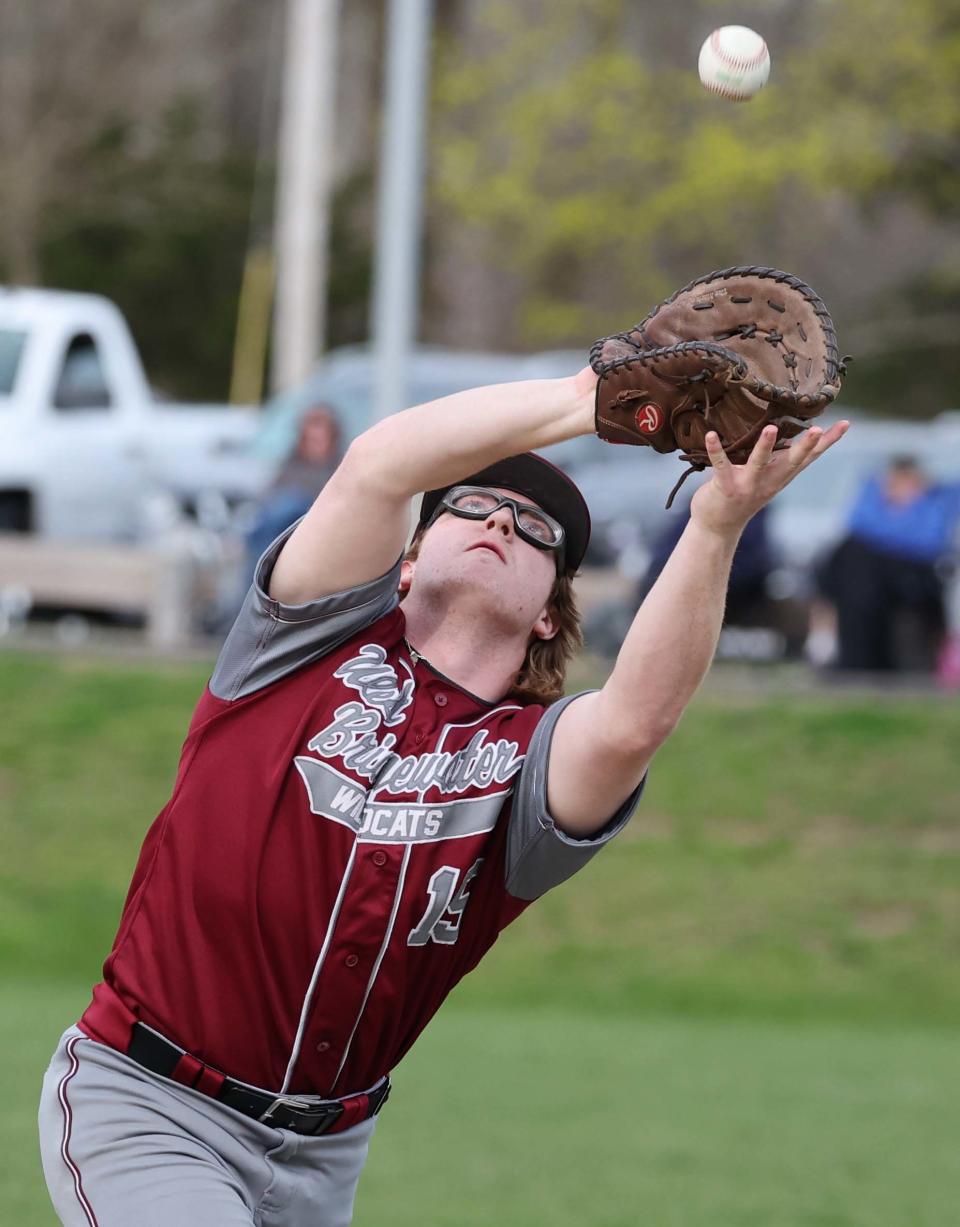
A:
524,1117
740,1015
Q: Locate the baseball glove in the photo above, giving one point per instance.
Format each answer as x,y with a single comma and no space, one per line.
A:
732,352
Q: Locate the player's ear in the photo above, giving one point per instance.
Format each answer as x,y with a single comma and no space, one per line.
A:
407,568
547,624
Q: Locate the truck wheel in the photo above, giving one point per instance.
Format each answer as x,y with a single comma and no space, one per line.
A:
15,512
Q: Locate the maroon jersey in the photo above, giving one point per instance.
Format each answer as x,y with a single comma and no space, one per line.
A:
348,834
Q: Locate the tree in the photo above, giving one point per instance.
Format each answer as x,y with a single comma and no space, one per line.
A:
136,160
162,231
596,172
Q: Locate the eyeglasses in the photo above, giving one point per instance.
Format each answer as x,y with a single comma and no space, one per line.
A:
532,524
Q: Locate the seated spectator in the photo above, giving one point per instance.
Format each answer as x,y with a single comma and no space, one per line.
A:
752,564
747,602
290,494
885,578
298,481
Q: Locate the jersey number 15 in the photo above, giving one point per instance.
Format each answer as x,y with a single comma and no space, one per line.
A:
441,920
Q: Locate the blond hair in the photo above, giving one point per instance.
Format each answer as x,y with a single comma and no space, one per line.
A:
543,674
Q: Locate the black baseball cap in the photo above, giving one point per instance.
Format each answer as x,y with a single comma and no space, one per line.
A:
543,483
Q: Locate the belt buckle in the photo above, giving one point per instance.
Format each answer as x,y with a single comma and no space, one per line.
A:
299,1108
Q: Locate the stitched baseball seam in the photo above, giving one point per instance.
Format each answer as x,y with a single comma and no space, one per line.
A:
725,91
733,61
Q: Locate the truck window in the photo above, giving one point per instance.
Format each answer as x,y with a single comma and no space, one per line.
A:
82,383
11,347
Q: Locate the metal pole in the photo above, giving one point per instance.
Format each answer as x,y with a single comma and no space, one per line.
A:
396,288
303,188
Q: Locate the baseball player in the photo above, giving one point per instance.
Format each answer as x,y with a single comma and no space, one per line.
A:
379,777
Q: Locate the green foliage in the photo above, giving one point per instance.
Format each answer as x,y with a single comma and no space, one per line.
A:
159,223
912,364
351,261
598,165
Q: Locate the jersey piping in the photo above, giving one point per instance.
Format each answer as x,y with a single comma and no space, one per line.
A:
318,967
398,894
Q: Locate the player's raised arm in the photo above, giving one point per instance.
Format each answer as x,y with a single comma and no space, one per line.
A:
357,527
726,371
604,742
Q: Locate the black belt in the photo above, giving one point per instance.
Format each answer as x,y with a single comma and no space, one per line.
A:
298,1113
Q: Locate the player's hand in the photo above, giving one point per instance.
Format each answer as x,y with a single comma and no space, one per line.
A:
735,492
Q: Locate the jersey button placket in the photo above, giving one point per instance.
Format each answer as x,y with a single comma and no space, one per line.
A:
344,982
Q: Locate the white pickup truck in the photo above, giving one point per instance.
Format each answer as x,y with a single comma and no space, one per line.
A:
83,439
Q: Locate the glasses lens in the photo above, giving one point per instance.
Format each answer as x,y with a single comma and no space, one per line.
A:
477,502
473,501
539,526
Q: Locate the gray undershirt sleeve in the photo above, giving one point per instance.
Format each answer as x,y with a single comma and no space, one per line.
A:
269,640
539,855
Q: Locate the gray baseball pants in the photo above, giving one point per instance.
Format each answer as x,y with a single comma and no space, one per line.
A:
122,1146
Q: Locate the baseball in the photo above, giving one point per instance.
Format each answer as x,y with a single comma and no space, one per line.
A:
734,63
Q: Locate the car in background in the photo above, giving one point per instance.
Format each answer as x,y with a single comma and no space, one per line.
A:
84,443
626,488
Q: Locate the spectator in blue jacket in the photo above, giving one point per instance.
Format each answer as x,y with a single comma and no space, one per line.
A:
886,578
